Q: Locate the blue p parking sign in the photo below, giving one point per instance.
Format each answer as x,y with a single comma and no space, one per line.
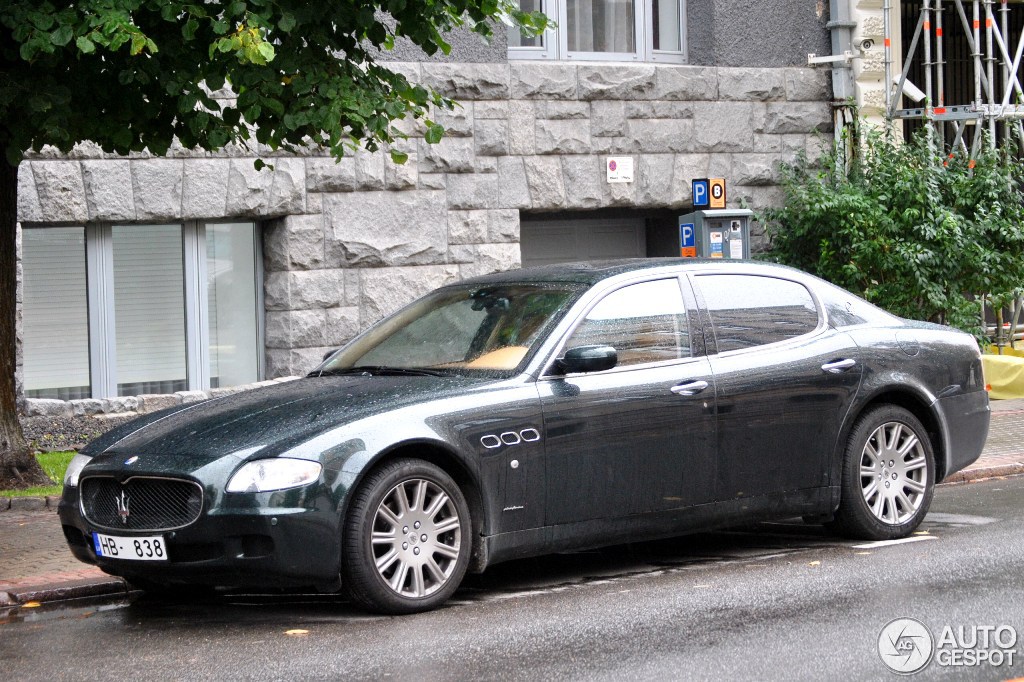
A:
701,195
687,240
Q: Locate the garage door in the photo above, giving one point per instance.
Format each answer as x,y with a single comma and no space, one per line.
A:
562,241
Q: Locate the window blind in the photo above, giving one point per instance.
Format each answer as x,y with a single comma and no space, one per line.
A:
55,313
149,309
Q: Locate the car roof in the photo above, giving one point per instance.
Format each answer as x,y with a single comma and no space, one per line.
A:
591,272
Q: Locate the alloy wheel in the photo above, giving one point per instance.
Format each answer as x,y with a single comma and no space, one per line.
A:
416,538
893,473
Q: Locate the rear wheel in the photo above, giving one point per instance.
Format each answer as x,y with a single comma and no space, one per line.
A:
888,476
407,539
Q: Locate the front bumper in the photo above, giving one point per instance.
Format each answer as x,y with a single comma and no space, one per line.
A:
251,546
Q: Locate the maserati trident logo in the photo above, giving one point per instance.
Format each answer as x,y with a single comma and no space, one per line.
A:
122,507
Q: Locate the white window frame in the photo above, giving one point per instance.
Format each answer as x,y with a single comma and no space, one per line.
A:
99,253
555,42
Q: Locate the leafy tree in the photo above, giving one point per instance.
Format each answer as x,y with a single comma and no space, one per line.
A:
917,233
130,75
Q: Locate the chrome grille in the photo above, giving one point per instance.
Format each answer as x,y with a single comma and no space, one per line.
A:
140,503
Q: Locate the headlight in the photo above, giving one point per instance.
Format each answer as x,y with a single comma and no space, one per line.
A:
273,474
74,469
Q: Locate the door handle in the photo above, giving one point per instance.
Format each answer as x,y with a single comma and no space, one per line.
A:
690,388
839,366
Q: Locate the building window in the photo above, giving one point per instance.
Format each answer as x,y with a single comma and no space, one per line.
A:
131,309
614,30
232,306
55,313
149,309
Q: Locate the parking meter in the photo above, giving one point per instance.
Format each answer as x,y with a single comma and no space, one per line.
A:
715,233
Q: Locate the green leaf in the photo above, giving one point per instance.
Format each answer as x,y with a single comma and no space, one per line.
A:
62,36
434,133
27,51
188,31
286,23
85,46
399,157
266,51
42,20
273,105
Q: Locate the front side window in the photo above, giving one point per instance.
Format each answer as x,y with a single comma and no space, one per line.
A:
643,322
620,30
132,309
489,328
750,310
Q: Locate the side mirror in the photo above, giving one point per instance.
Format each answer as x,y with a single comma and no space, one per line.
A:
588,359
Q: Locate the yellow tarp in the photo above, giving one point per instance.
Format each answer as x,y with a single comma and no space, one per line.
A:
1005,374
1019,352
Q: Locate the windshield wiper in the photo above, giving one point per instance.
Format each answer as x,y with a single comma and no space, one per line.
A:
379,370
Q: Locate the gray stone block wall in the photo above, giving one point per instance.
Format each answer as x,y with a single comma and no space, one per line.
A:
744,33
526,137
348,242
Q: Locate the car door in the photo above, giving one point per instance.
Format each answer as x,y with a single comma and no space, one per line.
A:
785,382
639,437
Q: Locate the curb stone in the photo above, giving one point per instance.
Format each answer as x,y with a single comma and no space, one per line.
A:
29,503
64,591
984,473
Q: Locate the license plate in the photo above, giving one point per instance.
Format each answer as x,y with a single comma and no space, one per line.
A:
144,548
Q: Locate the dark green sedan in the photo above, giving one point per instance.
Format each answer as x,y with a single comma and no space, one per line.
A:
535,411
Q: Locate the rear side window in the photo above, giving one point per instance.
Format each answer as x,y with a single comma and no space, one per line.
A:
751,310
644,322
846,310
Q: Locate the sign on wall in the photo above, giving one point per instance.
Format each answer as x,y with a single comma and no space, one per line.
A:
620,168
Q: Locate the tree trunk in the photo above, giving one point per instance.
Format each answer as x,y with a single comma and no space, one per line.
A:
18,466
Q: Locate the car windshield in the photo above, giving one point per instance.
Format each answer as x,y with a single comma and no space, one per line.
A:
489,329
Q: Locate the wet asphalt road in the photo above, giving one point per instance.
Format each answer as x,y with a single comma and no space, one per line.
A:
779,601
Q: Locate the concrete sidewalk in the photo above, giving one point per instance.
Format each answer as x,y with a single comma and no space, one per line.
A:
36,565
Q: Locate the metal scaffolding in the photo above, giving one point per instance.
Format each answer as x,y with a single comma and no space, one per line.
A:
996,103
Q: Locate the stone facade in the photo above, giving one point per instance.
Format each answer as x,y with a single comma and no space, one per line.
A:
131,405
348,242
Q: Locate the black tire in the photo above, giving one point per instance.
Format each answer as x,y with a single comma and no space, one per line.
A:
904,484
426,557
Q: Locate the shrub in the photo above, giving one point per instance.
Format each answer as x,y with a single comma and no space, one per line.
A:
919,234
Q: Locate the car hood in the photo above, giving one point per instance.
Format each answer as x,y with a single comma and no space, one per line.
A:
266,421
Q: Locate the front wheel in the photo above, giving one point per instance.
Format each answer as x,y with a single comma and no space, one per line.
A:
888,476
407,539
